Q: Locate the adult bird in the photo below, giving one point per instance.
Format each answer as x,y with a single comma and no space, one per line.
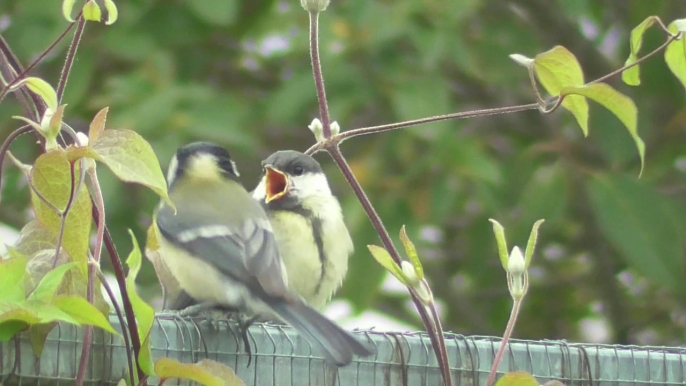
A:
219,245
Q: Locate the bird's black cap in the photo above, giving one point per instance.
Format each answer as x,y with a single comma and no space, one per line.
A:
184,154
293,162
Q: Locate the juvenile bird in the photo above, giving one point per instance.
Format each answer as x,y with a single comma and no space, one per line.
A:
219,245
308,225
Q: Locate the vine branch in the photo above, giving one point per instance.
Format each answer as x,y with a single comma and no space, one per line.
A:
317,72
71,55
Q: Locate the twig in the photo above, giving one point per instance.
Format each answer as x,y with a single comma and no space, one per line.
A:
85,350
100,203
39,59
121,282
506,338
73,193
25,96
432,326
401,125
338,158
93,268
6,147
317,72
120,316
640,60
71,54
445,367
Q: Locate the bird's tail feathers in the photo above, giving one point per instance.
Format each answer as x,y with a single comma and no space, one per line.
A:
337,345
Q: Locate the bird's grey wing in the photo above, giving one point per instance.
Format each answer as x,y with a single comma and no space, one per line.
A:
247,252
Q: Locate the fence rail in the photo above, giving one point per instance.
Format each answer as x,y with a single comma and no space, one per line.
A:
281,357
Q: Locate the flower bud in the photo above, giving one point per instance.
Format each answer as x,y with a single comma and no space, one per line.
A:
515,264
315,6
317,129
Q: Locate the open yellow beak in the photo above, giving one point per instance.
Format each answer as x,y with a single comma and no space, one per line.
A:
277,184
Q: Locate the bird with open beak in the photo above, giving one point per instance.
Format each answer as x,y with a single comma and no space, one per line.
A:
219,246
308,225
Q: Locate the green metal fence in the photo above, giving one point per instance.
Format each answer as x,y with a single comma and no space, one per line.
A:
281,357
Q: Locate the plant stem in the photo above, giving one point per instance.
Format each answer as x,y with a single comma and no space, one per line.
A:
401,125
71,54
93,270
121,282
432,326
85,350
317,72
6,146
65,213
338,158
445,366
506,338
640,60
40,58
25,97
100,204
120,316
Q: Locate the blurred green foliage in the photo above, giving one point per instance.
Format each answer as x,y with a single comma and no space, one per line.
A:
238,73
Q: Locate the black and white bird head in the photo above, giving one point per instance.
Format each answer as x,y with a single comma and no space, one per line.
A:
201,161
289,179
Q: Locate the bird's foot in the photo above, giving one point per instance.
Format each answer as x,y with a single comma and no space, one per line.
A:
244,323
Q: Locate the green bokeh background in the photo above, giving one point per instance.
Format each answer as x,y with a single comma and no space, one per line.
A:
238,73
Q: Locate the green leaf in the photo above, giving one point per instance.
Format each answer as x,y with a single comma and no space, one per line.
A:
216,12
47,288
386,261
33,238
499,232
12,275
55,125
91,11
619,104
411,252
83,312
640,224
33,312
145,315
632,75
206,372
51,175
531,244
11,328
675,54
97,126
112,12
67,6
38,333
47,312
131,158
41,88
517,379
557,69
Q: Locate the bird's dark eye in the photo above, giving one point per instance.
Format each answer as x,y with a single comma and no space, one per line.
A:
298,170
264,171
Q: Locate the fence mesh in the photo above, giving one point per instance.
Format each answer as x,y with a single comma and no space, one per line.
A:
282,357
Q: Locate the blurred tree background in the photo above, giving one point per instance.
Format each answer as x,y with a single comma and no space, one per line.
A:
610,264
